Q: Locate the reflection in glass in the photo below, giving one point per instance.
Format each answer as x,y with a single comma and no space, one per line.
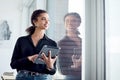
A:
71,48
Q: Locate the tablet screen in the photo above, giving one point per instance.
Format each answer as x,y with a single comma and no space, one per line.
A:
45,50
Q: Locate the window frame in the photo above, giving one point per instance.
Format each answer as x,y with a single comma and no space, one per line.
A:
94,40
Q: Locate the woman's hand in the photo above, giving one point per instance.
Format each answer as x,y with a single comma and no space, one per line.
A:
33,57
48,60
76,61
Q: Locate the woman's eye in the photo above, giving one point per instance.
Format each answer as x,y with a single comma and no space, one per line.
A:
43,19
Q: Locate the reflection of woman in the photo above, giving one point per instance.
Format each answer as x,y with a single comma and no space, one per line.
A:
4,31
27,48
71,48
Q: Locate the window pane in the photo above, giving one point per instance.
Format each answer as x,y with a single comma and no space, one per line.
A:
69,34
112,39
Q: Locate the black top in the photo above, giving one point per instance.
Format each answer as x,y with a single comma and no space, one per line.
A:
24,47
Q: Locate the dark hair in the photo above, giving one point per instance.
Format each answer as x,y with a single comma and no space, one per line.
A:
30,30
73,14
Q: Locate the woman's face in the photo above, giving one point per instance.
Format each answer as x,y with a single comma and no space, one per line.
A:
72,23
42,21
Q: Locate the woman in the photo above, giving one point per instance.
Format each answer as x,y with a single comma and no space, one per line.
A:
27,48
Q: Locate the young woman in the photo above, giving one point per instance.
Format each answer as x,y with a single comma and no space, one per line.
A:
27,48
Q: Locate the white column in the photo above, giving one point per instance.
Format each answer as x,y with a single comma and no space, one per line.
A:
25,15
94,40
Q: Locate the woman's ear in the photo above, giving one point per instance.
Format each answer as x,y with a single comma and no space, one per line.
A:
34,21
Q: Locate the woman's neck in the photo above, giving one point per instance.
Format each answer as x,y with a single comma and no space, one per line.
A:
38,34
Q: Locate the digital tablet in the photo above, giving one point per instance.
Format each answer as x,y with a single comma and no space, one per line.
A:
45,50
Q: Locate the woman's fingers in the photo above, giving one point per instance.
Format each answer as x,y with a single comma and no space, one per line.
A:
49,55
48,60
44,57
33,57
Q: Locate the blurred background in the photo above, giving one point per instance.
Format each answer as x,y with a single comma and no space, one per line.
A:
99,31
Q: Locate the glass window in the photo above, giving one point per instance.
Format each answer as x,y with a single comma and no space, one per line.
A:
112,39
67,28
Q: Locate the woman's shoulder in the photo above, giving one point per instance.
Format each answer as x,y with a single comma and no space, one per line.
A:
49,39
21,38
53,42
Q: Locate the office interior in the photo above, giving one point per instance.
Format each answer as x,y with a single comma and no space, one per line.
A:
99,31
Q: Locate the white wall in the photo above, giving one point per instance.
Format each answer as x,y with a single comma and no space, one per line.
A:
112,39
10,11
